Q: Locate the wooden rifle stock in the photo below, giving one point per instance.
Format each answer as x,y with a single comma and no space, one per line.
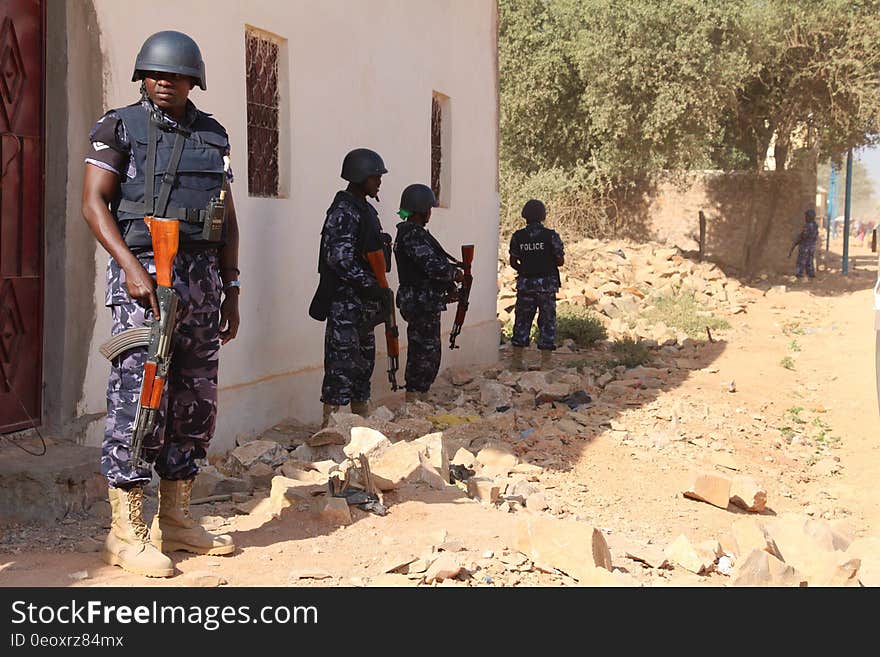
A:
165,236
392,343
467,259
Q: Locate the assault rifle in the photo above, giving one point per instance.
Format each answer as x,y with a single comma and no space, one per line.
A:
378,266
165,235
467,258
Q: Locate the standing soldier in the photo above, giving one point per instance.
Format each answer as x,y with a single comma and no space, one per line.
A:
806,244
351,292
536,253
163,157
426,278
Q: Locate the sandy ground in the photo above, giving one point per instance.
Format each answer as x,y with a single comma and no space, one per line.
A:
626,480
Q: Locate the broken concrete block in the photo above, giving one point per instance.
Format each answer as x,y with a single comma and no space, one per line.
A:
494,395
825,535
286,492
366,441
575,548
335,510
297,470
867,550
760,568
532,382
382,413
747,494
396,464
749,535
710,487
497,459
265,451
437,454
261,474
464,457
446,566
698,560
536,502
327,436
483,489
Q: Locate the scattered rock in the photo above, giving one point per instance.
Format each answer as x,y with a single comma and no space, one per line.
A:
711,488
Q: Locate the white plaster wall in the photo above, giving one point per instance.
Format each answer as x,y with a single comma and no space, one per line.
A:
360,74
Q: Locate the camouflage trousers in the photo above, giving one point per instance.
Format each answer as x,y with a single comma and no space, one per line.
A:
805,262
423,349
186,418
349,352
527,304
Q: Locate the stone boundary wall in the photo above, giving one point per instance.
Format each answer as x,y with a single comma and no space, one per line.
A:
751,219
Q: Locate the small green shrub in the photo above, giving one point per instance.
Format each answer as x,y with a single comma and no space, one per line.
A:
787,363
630,352
685,313
579,324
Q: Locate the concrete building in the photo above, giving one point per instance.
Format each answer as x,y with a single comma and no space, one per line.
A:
297,84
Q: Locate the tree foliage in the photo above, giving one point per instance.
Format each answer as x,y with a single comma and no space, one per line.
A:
596,93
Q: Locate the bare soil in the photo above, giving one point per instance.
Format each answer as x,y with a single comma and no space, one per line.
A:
809,435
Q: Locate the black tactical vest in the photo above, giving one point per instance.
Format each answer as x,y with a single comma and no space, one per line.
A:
408,270
198,180
370,236
536,252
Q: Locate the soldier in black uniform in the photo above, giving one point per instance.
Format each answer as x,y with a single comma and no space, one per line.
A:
427,275
163,157
349,297
536,253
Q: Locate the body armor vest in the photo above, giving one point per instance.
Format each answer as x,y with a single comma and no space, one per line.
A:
192,192
408,271
536,252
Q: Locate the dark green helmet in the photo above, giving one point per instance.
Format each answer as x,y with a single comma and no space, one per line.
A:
418,199
170,52
534,210
361,163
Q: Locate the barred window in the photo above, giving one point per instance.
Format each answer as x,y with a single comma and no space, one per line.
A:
263,104
440,133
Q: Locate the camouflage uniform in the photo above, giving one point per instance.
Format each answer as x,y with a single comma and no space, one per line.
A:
351,228
191,388
807,250
535,293
429,275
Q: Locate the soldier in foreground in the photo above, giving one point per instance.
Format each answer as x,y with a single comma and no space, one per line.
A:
161,159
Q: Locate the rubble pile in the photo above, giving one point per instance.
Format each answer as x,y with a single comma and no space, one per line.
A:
619,279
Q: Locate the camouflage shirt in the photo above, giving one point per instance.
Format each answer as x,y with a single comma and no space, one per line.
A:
416,249
345,240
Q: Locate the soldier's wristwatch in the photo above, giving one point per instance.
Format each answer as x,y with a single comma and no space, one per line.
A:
232,284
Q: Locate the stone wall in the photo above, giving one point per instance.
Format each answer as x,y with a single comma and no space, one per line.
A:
751,220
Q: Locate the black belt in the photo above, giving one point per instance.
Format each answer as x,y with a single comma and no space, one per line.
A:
186,215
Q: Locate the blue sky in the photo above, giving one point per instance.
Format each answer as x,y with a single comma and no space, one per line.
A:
871,159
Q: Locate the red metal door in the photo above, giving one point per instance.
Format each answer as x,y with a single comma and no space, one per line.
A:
21,211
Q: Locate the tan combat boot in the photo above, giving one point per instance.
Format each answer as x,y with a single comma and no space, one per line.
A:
516,359
546,359
128,544
361,408
328,410
175,529
414,396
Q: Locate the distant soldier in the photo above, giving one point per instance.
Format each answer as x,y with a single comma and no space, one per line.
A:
427,275
536,253
806,244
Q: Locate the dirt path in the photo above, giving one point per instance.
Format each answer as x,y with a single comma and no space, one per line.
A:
808,432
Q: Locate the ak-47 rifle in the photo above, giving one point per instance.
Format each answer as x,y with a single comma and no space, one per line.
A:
467,258
165,236
377,265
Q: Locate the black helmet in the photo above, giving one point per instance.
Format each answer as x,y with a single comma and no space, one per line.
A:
418,199
361,163
170,52
534,210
